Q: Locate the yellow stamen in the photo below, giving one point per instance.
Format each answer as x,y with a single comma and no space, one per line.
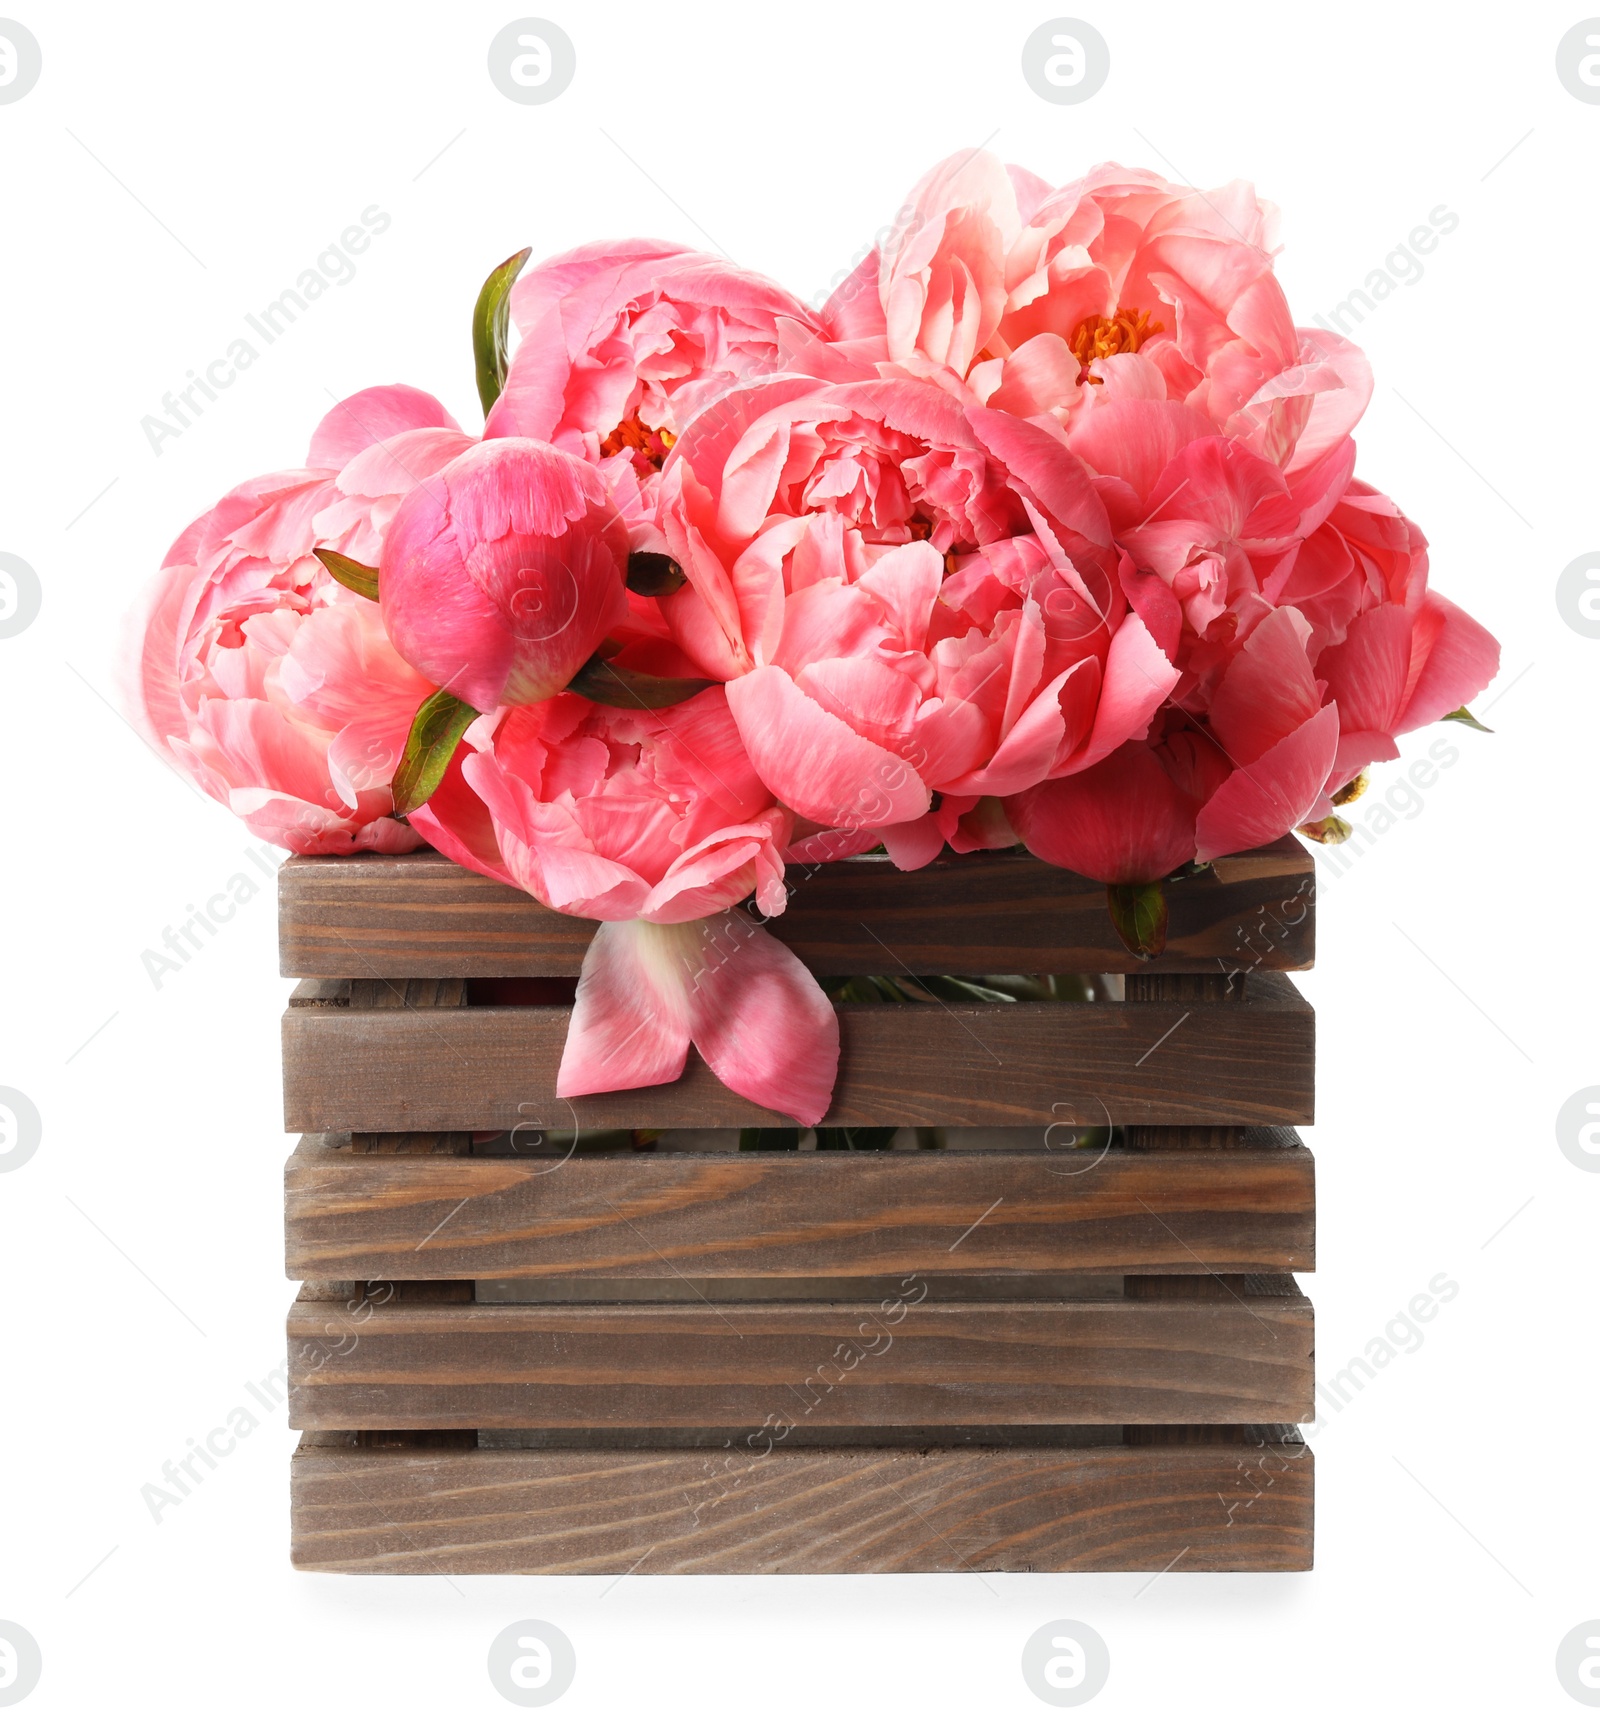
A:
1099,338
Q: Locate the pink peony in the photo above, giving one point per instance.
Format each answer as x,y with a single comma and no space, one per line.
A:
1221,542
270,686
623,340
504,572
1042,299
1278,737
614,813
657,823
906,597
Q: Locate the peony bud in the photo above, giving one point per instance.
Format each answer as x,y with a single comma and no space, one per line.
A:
504,572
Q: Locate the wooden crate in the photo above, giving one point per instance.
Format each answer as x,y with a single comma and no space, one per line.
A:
506,1357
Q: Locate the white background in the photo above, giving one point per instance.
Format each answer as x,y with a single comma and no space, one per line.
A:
1456,1528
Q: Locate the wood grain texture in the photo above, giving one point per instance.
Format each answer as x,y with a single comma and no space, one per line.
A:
424,916
413,1365
1244,1503
1076,1065
815,1214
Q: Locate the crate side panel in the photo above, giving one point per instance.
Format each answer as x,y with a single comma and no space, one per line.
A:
904,1362
843,1214
424,916
1235,1506
492,1069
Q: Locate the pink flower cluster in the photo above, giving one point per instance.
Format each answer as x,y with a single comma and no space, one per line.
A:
1044,530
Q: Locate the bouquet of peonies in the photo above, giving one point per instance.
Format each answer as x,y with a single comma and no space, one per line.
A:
1044,530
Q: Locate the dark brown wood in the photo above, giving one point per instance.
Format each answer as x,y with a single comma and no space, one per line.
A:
1213,1138
1192,986
423,916
720,1291
1073,1065
764,1215
695,1360
1244,1503
393,994
897,1362
1210,1287
411,1144
1219,1137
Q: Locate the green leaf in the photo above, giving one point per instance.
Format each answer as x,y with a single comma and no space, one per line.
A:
1139,914
1330,830
615,686
435,732
857,989
653,573
1462,717
963,989
358,577
491,318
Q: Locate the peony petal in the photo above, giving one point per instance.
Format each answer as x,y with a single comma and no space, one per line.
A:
370,417
814,762
1138,678
753,1010
761,1020
630,1022
1358,750
456,821
147,658
1270,797
984,828
1042,374
827,845
1137,441
1462,659
1029,749
1122,820
913,844
1366,673
1042,467
854,311
1267,691
1336,409
716,873
872,698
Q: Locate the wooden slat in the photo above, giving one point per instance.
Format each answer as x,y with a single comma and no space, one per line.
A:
494,1068
396,994
1244,1503
835,1214
423,916
412,1365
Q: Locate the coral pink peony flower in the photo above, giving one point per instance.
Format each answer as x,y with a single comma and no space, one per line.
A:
608,812
1218,541
1277,737
623,340
503,573
1042,299
657,823
906,598
270,686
